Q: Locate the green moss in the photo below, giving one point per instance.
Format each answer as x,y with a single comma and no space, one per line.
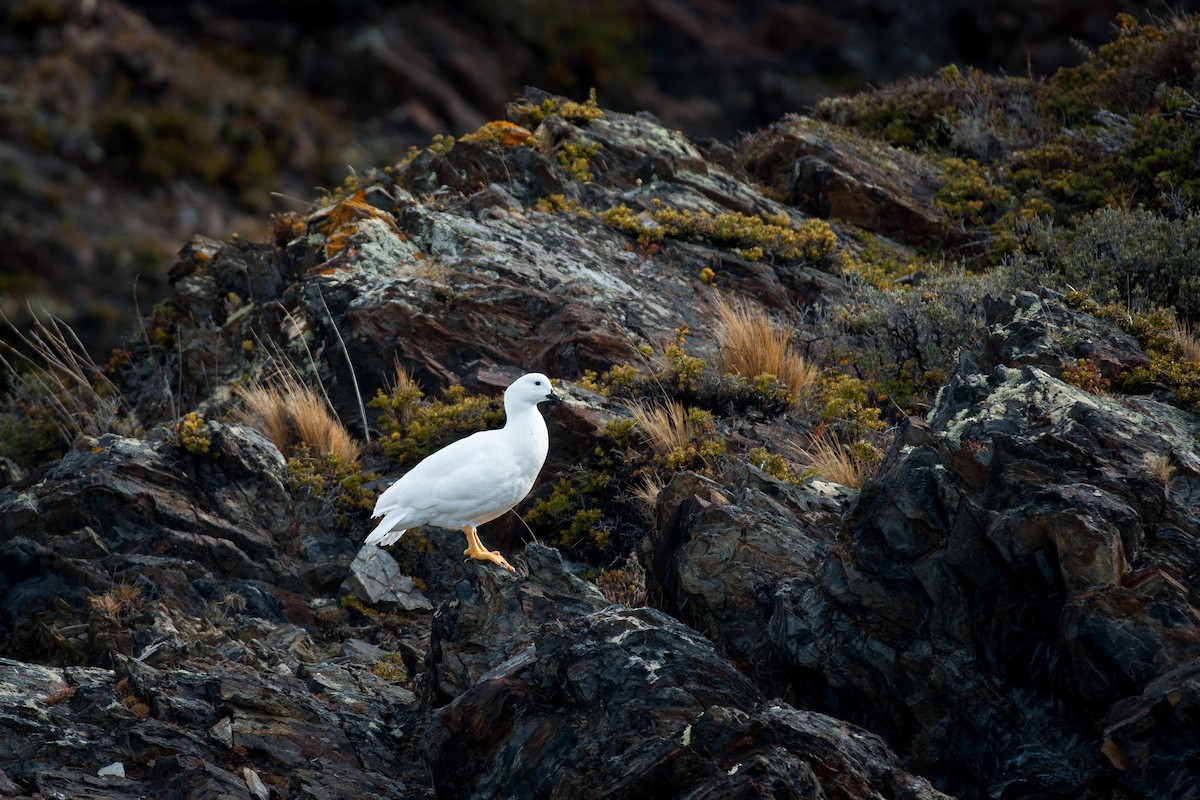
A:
29,432
917,113
555,507
619,431
559,204
971,195
571,517
579,113
1159,336
336,481
576,159
683,371
619,380
501,134
738,393
413,428
774,237
879,262
352,603
390,668
843,401
772,464
193,435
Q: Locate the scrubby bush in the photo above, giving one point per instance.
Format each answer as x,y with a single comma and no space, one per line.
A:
904,341
1136,257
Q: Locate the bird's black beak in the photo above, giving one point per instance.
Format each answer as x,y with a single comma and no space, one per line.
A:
554,397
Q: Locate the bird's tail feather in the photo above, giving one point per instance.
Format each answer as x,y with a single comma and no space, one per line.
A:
387,532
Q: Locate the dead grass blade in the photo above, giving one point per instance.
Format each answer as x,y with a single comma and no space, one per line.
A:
61,375
1187,341
831,460
646,494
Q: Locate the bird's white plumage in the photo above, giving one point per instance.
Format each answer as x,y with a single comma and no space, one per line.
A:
476,479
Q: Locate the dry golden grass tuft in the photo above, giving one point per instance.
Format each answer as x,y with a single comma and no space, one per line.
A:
105,604
833,461
751,345
646,494
293,417
1187,341
61,696
1159,466
130,699
113,604
665,425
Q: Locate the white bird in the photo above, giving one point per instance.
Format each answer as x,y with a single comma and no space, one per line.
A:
473,480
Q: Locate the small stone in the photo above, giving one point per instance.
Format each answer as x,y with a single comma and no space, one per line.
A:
375,579
113,770
255,785
223,732
362,652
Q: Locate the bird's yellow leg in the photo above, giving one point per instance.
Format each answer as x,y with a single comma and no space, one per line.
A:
476,550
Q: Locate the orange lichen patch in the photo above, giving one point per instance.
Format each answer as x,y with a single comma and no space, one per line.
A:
500,132
340,222
286,226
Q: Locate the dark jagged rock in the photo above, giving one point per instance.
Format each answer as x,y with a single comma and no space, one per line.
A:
831,176
493,615
629,703
1016,574
174,525
376,580
720,551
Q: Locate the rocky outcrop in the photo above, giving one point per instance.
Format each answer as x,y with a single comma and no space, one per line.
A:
493,617
630,703
177,529
719,552
1008,608
877,188
1019,578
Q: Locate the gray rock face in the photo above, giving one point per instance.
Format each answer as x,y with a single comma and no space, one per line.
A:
176,528
376,580
719,553
493,615
1016,575
630,703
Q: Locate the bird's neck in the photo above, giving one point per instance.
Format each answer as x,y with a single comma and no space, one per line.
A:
528,423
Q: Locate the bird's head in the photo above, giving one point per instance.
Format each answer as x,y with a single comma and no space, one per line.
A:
529,390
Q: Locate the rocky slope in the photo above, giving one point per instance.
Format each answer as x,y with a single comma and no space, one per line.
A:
127,126
1005,608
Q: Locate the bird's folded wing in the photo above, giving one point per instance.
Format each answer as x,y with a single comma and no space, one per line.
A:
463,466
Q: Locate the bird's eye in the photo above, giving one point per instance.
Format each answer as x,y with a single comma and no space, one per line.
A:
537,383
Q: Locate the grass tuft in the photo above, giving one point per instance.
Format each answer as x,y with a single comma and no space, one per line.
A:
752,345
54,372
664,425
831,460
1188,343
295,417
647,492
